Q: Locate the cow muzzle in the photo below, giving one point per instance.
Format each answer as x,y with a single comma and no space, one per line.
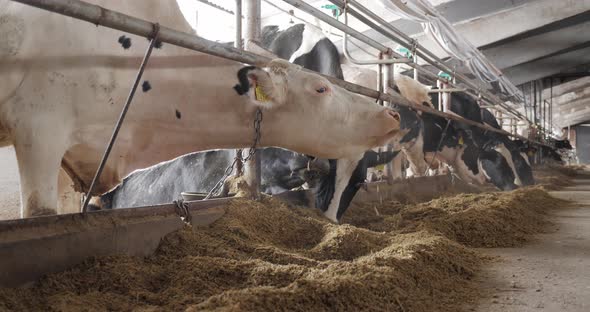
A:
388,123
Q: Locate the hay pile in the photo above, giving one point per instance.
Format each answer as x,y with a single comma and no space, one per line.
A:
476,220
266,256
554,177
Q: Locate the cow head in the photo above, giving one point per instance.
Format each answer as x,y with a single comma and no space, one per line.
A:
305,112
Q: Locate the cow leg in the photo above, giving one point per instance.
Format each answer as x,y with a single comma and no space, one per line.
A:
334,184
508,156
397,166
39,161
415,155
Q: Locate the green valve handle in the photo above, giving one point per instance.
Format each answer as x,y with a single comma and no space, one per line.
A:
335,9
444,75
404,51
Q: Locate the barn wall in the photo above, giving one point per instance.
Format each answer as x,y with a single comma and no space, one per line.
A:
583,143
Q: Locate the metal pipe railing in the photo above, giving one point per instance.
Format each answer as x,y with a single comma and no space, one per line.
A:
100,16
381,61
352,32
394,34
332,22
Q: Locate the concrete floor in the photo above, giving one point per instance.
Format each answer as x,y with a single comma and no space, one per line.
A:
550,274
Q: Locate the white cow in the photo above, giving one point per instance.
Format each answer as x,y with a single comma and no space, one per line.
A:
63,83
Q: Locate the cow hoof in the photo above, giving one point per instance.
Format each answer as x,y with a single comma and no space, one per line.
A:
332,219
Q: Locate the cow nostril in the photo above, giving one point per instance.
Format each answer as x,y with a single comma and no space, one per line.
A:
393,114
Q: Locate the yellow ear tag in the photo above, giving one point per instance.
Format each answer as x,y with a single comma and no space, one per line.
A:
380,167
259,94
530,153
461,141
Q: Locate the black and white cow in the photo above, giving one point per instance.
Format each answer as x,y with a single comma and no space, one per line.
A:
307,46
561,144
469,151
199,172
467,107
518,160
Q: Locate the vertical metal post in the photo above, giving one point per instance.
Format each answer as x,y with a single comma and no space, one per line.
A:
252,31
393,168
551,107
252,28
415,55
514,126
535,121
440,99
446,98
238,42
119,123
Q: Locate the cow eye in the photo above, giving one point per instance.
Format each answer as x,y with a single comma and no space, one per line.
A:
321,90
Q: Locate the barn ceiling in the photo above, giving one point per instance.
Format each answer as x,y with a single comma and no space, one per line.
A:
529,40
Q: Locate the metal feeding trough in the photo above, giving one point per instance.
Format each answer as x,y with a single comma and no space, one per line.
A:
192,196
33,247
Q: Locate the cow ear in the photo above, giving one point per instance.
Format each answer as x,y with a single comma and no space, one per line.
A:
268,87
257,84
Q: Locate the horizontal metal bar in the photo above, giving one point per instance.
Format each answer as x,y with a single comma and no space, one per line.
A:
100,16
446,90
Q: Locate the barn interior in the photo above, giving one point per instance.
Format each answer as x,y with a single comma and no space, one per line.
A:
408,242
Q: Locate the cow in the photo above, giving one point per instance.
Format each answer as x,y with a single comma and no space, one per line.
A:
430,140
282,170
466,149
562,144
550,155
467,107
58,104
307,46
199,172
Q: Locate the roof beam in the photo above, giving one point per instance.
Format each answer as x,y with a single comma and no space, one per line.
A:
581,106
574,112
580,116
510,22
567,87
521,51
547,66
580,98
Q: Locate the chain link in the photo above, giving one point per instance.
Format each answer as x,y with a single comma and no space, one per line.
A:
182,211
251,152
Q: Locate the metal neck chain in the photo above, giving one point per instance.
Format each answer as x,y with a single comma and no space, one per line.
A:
251,152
